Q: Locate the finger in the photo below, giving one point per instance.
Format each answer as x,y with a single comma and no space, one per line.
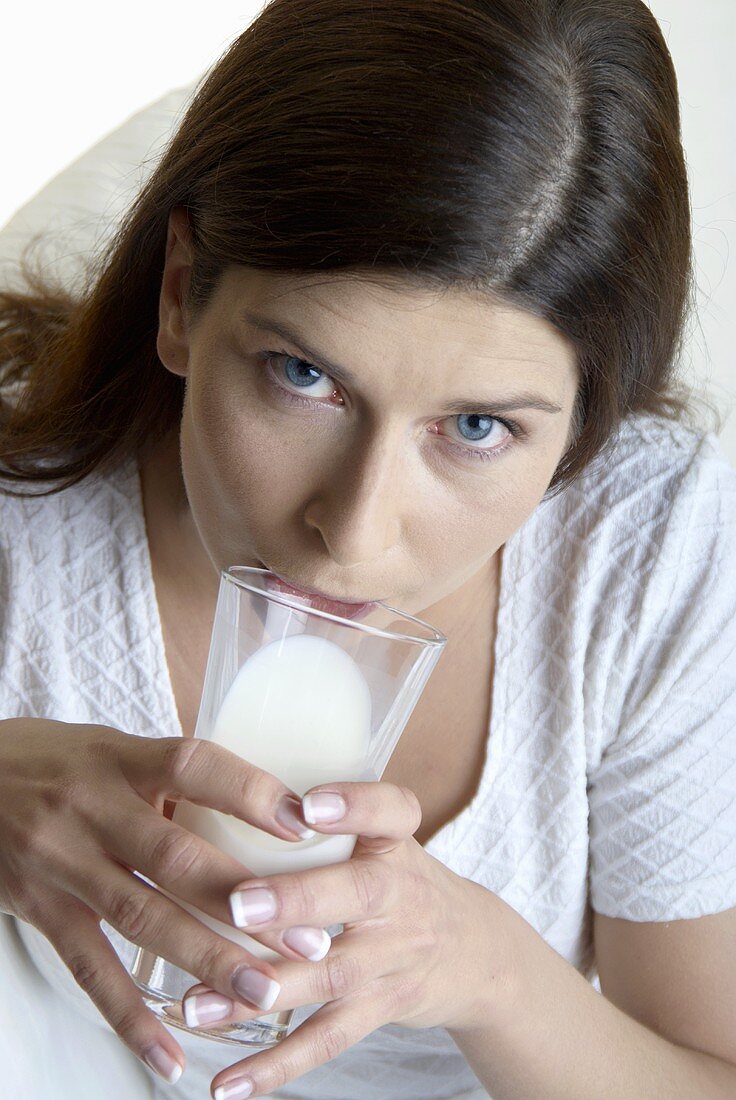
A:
185,865
145,916
202,1006
338,893
368,809
169,855
74,932
322,1037
352,963
209,775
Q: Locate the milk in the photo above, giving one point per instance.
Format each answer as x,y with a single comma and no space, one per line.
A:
299,708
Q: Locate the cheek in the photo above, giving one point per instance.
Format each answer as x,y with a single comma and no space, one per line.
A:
519,494
244,468
489,508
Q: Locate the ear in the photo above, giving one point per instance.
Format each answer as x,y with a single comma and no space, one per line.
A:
172,342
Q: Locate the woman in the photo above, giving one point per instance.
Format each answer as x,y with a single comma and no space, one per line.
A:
395,316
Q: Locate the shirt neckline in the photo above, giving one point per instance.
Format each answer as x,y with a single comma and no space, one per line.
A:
161,676
452,833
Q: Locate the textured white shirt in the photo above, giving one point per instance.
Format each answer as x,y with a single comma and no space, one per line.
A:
610,773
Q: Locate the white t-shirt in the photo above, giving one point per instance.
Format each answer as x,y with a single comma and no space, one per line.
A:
610,773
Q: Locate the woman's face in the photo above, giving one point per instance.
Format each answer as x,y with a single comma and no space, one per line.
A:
372,487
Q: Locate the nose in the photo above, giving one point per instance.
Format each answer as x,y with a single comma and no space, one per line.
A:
358,510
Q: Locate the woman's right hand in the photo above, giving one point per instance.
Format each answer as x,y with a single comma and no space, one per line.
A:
81,808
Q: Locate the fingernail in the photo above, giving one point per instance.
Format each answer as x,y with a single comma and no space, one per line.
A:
205,1008
323,807
287,814
237,1089
313,943
255,986
161,1062
252,906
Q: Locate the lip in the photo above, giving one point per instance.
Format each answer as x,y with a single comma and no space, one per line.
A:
320,600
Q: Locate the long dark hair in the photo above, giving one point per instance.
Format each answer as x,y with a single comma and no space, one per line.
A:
527,149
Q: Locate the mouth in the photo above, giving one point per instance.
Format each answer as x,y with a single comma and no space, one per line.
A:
342,608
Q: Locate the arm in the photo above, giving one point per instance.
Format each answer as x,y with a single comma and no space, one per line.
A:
554,1037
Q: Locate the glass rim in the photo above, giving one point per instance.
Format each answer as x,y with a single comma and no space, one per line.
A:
293,603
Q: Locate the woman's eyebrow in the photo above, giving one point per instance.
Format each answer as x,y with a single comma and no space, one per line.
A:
520,400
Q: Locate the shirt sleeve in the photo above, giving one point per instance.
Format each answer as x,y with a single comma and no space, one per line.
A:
662,797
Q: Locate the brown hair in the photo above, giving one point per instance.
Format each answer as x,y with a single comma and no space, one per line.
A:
525,149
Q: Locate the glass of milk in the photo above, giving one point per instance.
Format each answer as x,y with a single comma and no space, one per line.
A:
311,697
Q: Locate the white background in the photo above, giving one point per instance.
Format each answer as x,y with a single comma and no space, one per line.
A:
71,72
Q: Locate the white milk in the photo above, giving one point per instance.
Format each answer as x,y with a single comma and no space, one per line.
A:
299,708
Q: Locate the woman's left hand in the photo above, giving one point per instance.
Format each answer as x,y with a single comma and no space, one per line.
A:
421,946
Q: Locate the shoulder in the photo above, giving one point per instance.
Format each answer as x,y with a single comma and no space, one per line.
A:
46,540
662,491
661,507
670,454
662,662
630,570
70,583
55,519
648,465
661,496
662,603
669,492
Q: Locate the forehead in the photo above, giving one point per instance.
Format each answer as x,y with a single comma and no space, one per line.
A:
398,315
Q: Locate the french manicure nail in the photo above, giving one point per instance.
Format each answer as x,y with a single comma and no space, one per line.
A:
313,943
237,1089
287,814
252,906
255,986
161,1062
323,807
205,1008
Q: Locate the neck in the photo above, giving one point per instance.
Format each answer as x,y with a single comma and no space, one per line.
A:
177,552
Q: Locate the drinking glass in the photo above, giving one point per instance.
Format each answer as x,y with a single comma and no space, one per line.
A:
312,698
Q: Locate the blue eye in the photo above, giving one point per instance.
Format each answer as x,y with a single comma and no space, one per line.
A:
299,372
305,376
481,420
